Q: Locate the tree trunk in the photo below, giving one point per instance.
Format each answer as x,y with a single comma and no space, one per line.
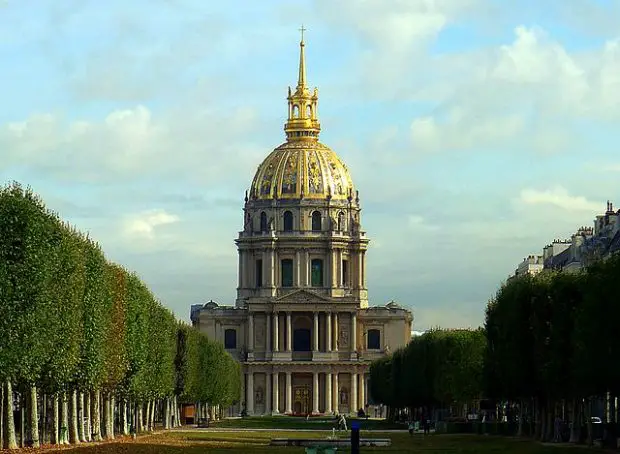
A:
33,417
147,416
54,435
122,413
1,415
153,412
44,420
551,411
73,418
9,437
575,422
167,413
80,416
112,402
177,412
88,429
140,427
96,415
105,402
588,411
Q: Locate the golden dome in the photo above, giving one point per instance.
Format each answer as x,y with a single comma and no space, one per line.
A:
302,167
305,169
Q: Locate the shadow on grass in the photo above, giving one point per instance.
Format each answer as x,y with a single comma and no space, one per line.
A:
258,443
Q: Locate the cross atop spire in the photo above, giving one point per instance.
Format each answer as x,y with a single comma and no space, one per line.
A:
301,81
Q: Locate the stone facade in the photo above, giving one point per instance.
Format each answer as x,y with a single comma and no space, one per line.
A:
301,325
585,246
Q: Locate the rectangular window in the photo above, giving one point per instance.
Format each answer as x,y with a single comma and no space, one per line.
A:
230,339
259,273
345,273
287,272
316,270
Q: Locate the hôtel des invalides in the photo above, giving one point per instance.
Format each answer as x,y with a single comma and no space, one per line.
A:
301,325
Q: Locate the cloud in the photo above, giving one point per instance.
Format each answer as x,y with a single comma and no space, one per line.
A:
144,225
135,141
559,197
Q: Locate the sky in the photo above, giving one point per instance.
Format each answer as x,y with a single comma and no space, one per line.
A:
476,131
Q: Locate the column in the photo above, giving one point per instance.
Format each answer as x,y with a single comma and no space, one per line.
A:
329,272
353,395
272,267
289,332
267,396
276,340
336,393
360,268
316,332
241,270
339,259
315,393
289,393
364,269
335,331
249,400
306,273
328,335
362,402
251,332
334,268
297,268
328,393
275,392
268,343
353,332
244,392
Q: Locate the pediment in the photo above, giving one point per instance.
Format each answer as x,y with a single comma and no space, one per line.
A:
302,296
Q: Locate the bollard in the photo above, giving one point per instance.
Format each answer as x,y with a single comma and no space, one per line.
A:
355,438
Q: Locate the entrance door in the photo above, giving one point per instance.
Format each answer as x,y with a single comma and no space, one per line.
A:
301,400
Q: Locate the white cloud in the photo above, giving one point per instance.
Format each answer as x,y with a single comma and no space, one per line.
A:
559,197
129,142
144,225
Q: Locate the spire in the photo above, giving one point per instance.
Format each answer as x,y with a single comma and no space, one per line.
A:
301,81
303,123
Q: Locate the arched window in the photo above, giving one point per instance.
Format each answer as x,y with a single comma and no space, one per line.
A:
309,111
316,221
230,339
286,268
373,339
341,221
288,221
316,269
263,222
295,111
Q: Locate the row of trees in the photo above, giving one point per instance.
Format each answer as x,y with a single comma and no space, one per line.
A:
553,345
86,350
550,348
440,368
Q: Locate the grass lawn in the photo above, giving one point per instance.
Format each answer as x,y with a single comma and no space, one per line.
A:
293,422
179,442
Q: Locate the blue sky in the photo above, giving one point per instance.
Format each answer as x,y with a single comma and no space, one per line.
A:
475,130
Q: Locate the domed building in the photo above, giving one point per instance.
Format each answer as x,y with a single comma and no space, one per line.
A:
301,325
